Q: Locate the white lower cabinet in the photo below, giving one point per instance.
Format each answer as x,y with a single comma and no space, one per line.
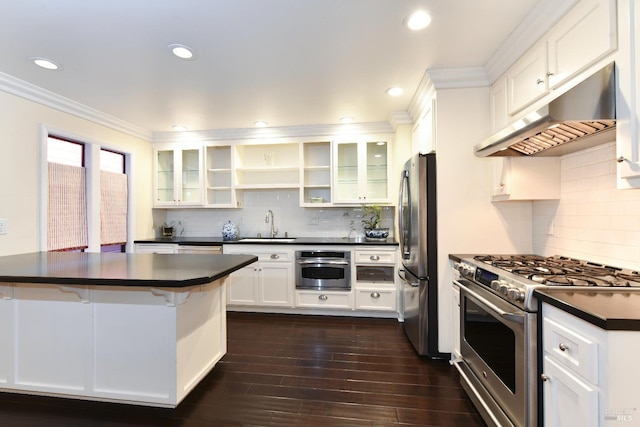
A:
375,279
324,299
269,282
590,375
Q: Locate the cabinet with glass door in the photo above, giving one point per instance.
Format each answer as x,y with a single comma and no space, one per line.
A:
361,172
316,174
219,188
177,176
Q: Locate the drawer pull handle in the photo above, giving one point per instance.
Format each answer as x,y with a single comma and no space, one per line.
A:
563,347
323,297
375,295
544,377
275,256
374,258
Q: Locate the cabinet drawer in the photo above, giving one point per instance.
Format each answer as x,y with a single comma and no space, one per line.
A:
323,299
375,256
574,348
375,299
273,256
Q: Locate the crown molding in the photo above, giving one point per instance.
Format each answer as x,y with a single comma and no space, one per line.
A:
397,118
283,132
50,99
544,15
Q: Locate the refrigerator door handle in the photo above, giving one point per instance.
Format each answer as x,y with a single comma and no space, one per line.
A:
403,277
404,233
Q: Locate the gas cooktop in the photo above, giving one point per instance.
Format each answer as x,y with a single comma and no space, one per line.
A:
514,278
562,271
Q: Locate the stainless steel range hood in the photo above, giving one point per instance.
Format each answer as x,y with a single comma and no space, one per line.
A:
582,117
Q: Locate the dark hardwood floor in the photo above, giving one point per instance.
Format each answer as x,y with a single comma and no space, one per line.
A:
288,370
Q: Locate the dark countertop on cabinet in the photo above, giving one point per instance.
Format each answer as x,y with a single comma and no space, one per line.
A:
212,241
609,309
119,269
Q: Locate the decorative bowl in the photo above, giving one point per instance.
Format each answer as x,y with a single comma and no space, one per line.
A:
374,234
317,200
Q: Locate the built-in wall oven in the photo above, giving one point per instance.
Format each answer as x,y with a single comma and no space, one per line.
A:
323,270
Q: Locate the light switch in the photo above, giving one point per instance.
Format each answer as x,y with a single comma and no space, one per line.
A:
3,226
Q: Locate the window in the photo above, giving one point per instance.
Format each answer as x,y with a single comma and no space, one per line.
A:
85,196
67,202
113,202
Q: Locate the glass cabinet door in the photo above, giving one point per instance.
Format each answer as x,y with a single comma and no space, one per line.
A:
377,168
346,174
191,172
165,178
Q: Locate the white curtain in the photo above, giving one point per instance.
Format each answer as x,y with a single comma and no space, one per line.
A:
67,216
113,208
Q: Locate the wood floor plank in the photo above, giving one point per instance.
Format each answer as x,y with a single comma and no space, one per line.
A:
288,370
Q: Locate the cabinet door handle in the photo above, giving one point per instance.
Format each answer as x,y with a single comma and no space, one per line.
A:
621,159
544,377
323,297
563,347
549,74
374,258
375,295
539,81
275,256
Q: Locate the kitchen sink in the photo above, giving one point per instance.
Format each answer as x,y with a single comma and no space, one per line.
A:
267,239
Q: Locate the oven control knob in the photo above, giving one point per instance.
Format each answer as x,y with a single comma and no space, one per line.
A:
500,286
515,294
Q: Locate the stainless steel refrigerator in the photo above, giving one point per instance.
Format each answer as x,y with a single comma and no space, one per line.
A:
417,218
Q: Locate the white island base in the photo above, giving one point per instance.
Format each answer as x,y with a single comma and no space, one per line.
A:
126,344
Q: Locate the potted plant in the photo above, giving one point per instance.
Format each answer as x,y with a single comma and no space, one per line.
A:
372,219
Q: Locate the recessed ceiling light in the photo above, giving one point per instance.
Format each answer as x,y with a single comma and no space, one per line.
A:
418,20
46,63
347,120
260,124
395,91
179,128
182,51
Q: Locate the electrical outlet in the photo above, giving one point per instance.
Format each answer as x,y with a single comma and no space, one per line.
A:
3,226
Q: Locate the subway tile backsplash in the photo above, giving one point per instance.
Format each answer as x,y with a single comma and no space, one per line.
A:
593,220
289,217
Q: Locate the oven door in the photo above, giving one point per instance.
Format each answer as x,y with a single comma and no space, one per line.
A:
323,274
498,355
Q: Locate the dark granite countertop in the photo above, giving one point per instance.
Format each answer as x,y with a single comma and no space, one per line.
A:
119,269
607,308
211,241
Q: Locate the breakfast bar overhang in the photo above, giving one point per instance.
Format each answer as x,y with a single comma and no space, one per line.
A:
129,328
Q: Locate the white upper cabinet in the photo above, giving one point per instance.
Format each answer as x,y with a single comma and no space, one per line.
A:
361,172
522,178
423,139
315,174
178,176
527,79
219,185
585,35
627,105
498,105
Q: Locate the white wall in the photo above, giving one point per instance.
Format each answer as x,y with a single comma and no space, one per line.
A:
467,220
20,168
593,220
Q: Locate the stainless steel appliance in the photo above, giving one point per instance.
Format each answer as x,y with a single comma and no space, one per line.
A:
418,247
322,270
498,326
580,118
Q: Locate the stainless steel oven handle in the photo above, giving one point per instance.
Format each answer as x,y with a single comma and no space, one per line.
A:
323,262
514,317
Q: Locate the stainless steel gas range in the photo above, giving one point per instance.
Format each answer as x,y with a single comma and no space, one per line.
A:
498,326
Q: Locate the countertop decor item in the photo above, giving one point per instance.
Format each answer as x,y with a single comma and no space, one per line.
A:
229,231
371,219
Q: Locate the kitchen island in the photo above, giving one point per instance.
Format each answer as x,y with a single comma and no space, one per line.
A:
129,328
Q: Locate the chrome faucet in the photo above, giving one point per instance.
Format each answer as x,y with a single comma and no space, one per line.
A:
269,220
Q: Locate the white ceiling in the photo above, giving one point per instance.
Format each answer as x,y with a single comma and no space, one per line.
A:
287,62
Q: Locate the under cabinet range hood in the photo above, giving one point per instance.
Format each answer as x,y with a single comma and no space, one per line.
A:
581,118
